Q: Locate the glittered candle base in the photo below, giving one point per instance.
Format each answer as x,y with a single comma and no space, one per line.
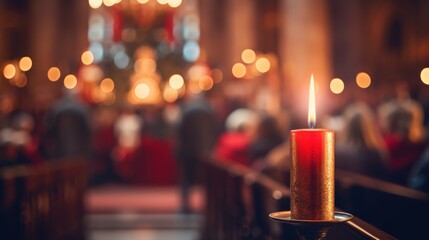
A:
312,174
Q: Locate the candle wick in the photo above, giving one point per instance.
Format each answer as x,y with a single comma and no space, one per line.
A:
311,124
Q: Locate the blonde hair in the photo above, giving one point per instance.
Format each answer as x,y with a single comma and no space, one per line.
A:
360,127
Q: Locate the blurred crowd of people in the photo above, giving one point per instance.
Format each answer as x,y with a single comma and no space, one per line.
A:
387,141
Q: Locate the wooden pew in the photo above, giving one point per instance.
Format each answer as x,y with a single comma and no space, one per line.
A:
43,201
240,199
400,210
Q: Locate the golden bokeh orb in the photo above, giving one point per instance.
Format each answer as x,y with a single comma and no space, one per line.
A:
239,70
54,74
70,81
363,80
25,63
424,75
248,56
262,65
336,86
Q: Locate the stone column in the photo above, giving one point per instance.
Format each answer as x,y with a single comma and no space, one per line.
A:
305,50
42,31
241,28
58,36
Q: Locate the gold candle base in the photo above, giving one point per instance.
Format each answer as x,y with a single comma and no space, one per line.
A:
312,174
311,229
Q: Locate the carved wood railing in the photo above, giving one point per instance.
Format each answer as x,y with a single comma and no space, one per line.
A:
239,200
43,201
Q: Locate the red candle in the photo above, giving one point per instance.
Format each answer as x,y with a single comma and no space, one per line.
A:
312,169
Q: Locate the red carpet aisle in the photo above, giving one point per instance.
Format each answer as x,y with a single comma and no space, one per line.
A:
151,164
122,198
129,212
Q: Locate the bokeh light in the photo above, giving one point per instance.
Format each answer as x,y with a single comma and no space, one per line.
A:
145,65
174,3
170,95
96,27
91,73
95,3
21,80
70,81
162,2
87,58
336,86
97,95
97,51
25,64
142,1
194,87
176,81
142,90
121,60
217,75
248,56
107,85
54,74
191,51
206,83
262,65
109,3
363,80
239,70
9,71
424,76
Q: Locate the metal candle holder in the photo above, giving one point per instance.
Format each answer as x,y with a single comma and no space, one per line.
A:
311,229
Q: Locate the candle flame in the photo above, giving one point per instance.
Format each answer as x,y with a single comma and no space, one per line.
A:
311,105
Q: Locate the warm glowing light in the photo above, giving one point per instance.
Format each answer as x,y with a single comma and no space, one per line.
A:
109,3
176,81
217,75
142,1
107,85
162,1
239,70
145,65
95,3
206,83
194,87
174,3
363,80
262,65
70,81
336,86
312,104
9,71
25,64
424,76
54,74
21,80
96,95
170,95
87,57
248,56
142,90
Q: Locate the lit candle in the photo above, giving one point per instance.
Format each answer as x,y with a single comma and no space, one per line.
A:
312,169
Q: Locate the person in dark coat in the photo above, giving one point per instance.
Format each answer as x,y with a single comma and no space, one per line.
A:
196,137
68,129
